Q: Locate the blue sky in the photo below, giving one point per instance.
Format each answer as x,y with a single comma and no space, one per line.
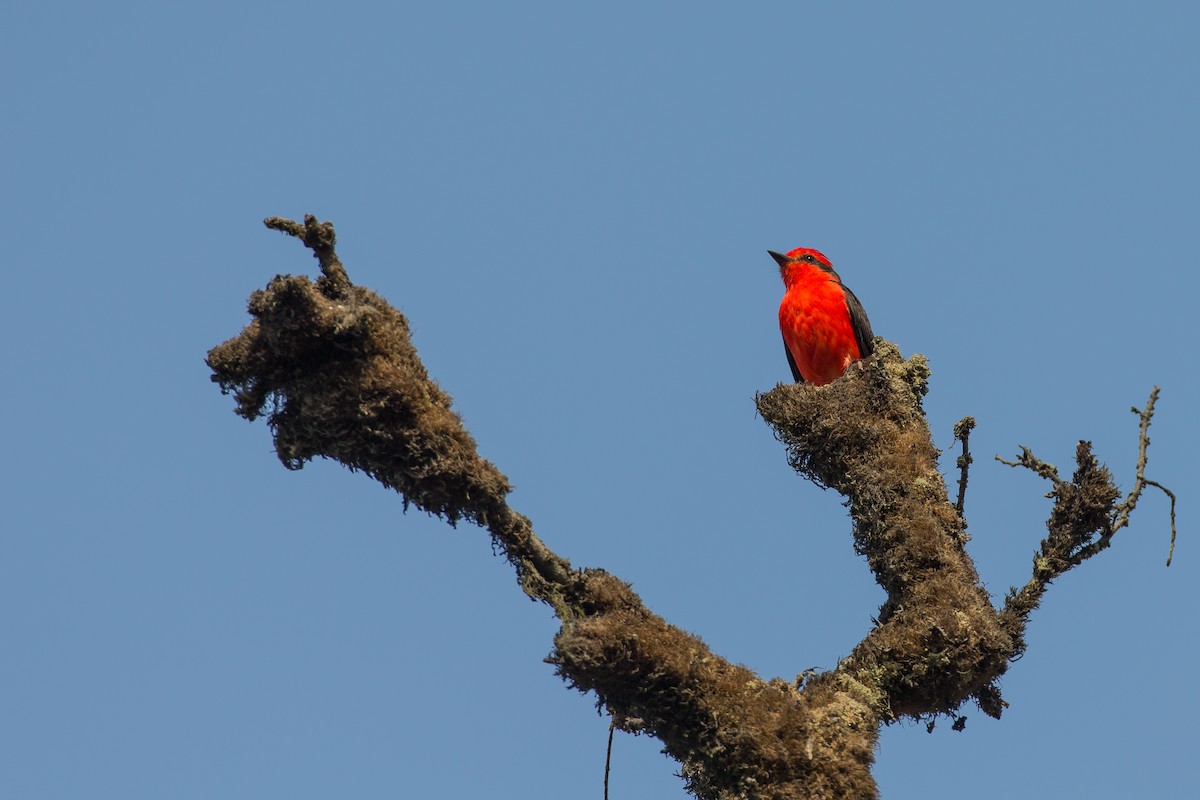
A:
572,204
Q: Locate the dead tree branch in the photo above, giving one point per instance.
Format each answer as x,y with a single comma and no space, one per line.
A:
333,369
1083,521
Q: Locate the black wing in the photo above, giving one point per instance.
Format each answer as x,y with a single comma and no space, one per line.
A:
792,363
859,323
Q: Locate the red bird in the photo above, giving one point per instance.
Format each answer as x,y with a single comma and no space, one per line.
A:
825,328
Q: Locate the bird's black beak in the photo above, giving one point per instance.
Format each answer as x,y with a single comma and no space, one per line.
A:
781,259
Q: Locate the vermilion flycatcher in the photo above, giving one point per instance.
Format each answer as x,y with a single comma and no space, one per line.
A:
825,328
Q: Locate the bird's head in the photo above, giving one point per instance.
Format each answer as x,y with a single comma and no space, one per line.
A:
801,257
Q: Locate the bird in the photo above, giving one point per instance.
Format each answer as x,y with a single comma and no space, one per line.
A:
825,328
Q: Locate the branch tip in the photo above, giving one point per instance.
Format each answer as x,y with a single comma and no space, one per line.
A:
1140,482
1170,494
319,237
1031,462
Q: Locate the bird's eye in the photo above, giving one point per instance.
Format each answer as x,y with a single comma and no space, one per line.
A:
808,257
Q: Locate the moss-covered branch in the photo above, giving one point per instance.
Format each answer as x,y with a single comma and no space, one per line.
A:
938,642
333,369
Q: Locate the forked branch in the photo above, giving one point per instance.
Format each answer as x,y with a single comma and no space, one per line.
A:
1083,521
333,369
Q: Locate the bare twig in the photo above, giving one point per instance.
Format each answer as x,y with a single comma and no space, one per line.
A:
962,433
1121,514
612,726
1031,462
1170,494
